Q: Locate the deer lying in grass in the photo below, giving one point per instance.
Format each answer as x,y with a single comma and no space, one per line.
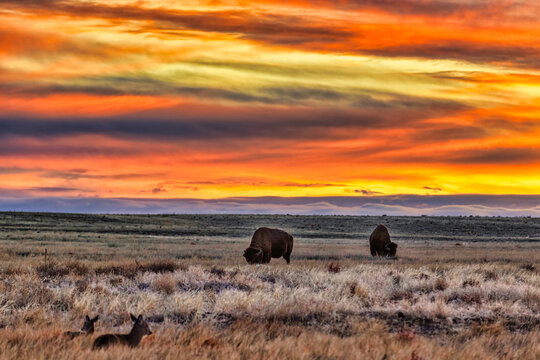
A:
140,328
88,328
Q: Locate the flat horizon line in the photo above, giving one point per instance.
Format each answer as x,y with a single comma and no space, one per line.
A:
260,214
393,205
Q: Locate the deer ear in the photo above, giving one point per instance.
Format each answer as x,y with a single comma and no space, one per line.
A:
87,318
95,319
139,319
133,318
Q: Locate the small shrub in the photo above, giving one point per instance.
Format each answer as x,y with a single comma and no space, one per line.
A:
269,278
115,281
467,298
100,290
470,282
334,268
51,270
396,279
30,296
358,291
162,266
164,284
62,303
156,318
126,270
77,268
131,270
81,285
528,267
144,286
490,275
405,335
218,287
423,276
217,271
12,270
532,300
478,329
441,284
233,274
211,342
401,295
424,288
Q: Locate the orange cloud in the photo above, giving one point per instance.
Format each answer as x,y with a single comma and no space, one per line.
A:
81,104
282,98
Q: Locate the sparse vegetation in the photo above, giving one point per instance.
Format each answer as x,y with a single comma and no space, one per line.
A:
334,268
202,300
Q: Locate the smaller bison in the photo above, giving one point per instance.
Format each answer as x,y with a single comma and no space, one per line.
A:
269,243
380,244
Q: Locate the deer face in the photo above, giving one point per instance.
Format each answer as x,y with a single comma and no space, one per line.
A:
141,324
88,325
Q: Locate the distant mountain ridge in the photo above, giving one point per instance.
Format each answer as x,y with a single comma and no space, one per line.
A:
412,205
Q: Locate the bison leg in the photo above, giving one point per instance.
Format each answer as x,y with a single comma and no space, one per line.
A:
287,258
287,255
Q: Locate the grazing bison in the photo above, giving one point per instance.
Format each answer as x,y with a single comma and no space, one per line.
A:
269,243
380,244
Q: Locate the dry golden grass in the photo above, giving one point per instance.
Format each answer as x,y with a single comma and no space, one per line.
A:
252,340
438,300
297,311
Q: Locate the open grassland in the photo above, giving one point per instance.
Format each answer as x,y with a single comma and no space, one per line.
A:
460,288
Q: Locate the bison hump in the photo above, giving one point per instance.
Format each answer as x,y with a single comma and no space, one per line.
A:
380,234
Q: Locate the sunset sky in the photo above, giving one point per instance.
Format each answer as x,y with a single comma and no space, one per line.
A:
316,98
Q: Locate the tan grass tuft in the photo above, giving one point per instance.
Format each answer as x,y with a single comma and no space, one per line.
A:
441,284
165,284
358,291
51,270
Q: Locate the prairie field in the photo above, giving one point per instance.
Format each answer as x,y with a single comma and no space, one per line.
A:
460,288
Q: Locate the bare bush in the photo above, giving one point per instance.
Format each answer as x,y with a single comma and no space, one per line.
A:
334,268
217,271
51,270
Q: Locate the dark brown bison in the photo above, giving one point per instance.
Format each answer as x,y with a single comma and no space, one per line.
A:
380,244
269,243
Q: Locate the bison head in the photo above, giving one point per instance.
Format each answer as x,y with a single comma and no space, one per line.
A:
390,249
253,255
